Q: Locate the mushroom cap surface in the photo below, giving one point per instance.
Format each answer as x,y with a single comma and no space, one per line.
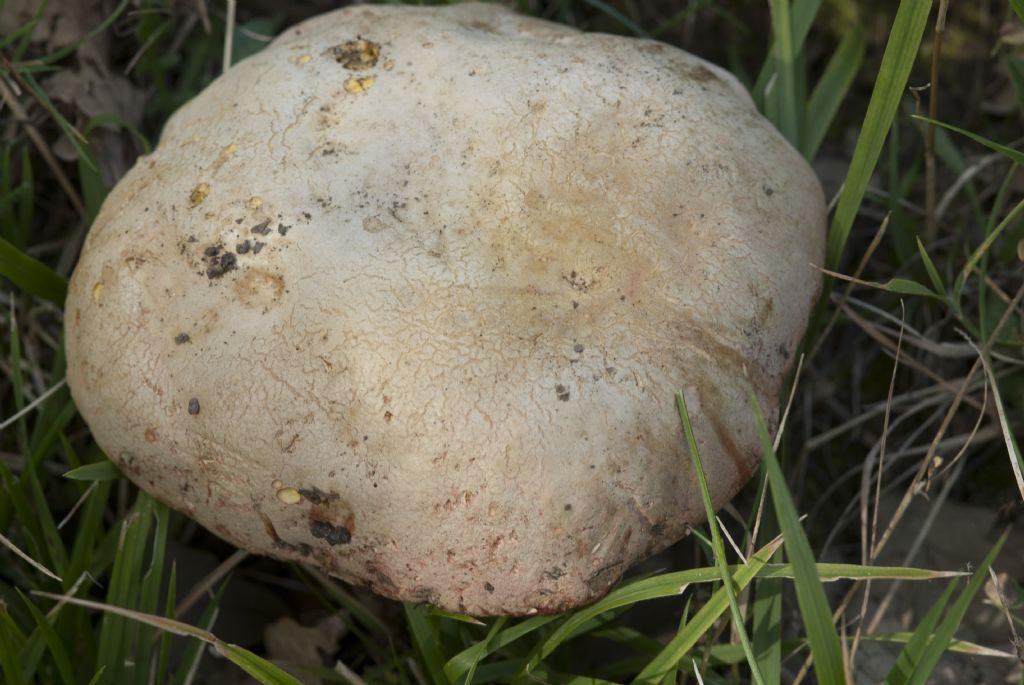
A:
407,296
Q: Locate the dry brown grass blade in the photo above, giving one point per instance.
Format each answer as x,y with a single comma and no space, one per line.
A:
861,266
936,505
1004,423
205,585
28,560
914,487
6,423
930,215
881,338
229,33
916,484
21,116
868,536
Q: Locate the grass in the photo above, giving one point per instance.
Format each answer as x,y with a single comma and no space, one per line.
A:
911,383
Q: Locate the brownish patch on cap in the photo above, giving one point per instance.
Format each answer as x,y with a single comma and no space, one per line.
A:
356,54
743,463
700,73
259,288
150,435
330,518
268,526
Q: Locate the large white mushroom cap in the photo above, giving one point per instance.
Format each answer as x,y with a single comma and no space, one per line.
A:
408,294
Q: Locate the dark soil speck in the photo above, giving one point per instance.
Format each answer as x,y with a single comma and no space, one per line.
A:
334,535
227,262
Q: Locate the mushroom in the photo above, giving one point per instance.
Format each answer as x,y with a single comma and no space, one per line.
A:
408,294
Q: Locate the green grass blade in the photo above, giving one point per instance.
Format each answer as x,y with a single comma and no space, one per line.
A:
188,663
149,593
461,662
1011,154
259,668
767,608
901,286
911,653
668,585
116,639
113,120
12,641
942,637
786,107
958,646
455,616
66,50
810,594
423,630
26,30
61,660
618,16
630,637
929,266
33,539
716,539
831,89
101,470
170,605
982,249
88,531
1018,8
367,618
827,572
30,275
499,623
47,526
703,620
90,183
803,14
897,61
767,628
17,380
72,134
17,203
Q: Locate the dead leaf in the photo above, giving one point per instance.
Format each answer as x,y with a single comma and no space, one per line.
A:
288,640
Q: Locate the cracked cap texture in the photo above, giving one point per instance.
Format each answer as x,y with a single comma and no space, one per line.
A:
407,296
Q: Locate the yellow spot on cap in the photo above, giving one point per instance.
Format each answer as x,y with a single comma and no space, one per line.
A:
289,495
199,194
277,484
300,59
230,150
97,292
359,85
255,202
356,54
